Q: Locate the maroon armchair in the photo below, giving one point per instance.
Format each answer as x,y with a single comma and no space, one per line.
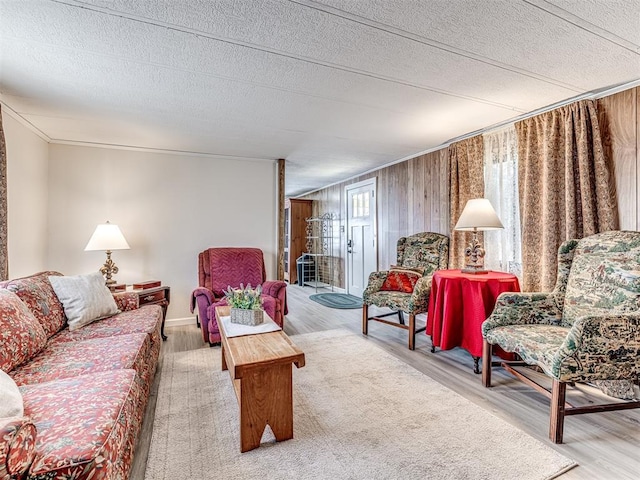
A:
219,268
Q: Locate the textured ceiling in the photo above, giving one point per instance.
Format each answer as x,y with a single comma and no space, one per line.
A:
337,87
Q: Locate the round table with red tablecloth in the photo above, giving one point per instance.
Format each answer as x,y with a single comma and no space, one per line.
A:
459,303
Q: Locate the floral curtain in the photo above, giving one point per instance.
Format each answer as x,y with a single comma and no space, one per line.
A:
466,182
4,256
566,187
503,251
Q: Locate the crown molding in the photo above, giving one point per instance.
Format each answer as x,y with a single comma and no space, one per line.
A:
592,95
24,122
166,151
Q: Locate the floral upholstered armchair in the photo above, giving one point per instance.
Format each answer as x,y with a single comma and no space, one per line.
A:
405,287
586,330
220,268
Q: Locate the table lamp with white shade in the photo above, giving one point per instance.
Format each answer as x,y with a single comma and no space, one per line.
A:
107,237
478,215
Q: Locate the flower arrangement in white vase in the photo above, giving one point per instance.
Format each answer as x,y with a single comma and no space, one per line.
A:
246,304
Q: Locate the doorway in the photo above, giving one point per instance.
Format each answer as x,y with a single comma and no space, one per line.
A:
361,243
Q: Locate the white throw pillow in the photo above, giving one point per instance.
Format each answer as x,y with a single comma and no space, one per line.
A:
85,298
10,397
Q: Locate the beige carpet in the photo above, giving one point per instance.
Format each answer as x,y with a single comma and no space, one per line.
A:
359,413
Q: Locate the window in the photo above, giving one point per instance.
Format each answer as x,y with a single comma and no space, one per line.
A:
503,250
360,206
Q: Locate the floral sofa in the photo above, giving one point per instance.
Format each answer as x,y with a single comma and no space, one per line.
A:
84,391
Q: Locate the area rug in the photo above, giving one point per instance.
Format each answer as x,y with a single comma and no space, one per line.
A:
337,300
359,413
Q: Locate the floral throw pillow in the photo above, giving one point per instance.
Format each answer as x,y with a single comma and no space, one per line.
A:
21,335
401,279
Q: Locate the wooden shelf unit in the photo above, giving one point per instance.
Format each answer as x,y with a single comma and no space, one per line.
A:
296,212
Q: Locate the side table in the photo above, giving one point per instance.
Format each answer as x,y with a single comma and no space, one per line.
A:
459,303
155,296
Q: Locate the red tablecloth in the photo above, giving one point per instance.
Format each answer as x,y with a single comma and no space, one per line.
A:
460,302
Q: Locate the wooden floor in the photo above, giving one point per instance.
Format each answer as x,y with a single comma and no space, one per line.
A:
605,445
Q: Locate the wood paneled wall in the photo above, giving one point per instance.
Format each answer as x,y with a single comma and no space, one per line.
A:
619,119
413,196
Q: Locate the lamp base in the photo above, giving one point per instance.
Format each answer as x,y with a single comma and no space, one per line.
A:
108,269
474,270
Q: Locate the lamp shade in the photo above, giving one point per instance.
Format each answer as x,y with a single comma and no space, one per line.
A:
107,236
478,214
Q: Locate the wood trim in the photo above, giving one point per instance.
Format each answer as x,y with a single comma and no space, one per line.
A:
560,408
556,419
388,322
411,327
281,180
487,353
523,378
605,407
418,188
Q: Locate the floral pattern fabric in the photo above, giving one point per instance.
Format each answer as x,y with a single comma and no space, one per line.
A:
86,390
594,310
399,280
146,319
17,446
37,293
69,359
4,254
560,153
84,425
126,301
536,344
412,303
21,335
427,251
605,276
466,181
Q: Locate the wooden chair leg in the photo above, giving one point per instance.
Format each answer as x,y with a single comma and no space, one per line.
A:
558,394
401,317
412,331
487,353
365,319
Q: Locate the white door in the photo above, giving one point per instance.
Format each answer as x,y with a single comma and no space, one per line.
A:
361,252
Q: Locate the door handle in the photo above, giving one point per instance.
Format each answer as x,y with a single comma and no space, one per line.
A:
349,246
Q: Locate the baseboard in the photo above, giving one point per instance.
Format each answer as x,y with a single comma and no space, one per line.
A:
178,322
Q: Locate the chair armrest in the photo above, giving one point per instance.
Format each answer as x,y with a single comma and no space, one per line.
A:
603,347
201,294
17,446
515,308
126,301
273,287
420,297
277,289
376,279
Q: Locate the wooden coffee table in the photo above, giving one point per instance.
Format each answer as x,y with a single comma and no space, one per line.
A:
261,371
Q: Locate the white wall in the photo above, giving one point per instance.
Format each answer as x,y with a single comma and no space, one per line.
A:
169,208
27,163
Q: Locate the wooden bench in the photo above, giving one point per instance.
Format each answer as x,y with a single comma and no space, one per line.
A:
261,371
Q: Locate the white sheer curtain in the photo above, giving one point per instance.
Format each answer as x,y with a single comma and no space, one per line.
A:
501,188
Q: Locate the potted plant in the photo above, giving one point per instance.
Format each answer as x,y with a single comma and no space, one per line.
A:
246,304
